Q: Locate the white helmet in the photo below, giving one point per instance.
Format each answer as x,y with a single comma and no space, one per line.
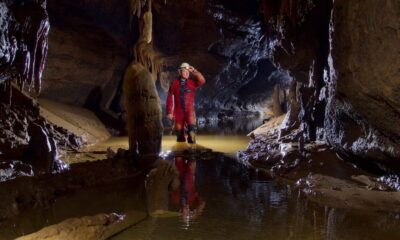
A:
184,66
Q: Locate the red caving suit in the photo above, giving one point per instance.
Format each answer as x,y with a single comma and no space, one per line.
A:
182,94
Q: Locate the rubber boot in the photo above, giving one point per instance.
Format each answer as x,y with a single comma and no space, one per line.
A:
180,136
192,134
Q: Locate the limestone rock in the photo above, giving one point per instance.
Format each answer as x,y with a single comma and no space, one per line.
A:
42,151
143,110
364,112
88,48
345,70
15,119
24,40
91,228
10,169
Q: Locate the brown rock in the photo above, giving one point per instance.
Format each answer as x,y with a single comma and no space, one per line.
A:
143,109
345,87
363,114
90,228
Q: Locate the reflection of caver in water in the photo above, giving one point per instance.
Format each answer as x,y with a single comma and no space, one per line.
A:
186,196
180,102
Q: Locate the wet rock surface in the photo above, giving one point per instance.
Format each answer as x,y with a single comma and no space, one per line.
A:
10,169
283,158
325,176
24,40
364,109
42,152
340,63
93,227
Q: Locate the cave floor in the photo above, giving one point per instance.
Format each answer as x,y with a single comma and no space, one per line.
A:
228,144
229,201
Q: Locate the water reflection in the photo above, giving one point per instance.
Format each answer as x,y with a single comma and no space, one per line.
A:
234,126
220,199
189,200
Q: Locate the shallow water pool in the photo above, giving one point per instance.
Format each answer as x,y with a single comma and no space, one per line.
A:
220,199
232,202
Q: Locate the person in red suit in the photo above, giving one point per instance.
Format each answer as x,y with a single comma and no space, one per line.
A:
180,102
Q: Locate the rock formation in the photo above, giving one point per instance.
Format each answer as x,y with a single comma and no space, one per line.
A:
24,30
16,118
143,111
92,227
343,57
363,109
233,54
88,48
90,44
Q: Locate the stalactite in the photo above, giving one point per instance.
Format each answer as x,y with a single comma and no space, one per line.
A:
143,51
27,41
148,25
136,7
146,55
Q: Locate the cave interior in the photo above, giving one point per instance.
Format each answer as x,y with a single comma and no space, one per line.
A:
311,87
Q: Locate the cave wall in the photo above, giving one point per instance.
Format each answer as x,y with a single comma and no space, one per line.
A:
343,57
363,112
24,28
232,52
90,46
88,49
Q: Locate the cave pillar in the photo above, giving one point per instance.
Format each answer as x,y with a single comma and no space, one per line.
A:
143,112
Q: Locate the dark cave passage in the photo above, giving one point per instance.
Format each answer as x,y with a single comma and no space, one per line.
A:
277,118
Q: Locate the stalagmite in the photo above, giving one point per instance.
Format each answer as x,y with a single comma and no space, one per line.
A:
143,108
142,104
143,50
